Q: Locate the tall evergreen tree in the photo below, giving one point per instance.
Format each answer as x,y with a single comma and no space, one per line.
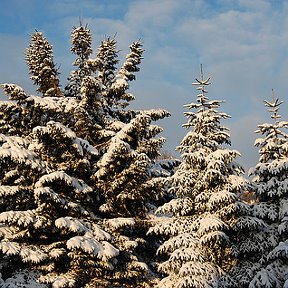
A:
57,159
270,178
41,66
81,41
199,226
48,208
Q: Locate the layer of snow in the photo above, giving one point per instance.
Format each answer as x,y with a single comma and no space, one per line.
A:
71,224
120,222
79,185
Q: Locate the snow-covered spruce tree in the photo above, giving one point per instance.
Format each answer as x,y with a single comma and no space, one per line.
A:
41,66
51,151
125,174
118,90
200,225
115,83
126,181
270,178
125,177
101,74
48,221
81,40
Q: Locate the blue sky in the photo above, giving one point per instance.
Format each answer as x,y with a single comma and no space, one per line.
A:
242,45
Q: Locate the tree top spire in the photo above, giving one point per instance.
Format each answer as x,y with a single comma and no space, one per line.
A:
201,87
273,107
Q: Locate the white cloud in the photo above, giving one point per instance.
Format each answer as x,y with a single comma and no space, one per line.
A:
262,5
242,44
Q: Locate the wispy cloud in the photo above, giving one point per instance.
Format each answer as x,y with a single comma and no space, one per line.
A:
242,45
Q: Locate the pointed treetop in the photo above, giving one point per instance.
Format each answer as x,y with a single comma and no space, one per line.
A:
39,58
202,83
274,107
81,40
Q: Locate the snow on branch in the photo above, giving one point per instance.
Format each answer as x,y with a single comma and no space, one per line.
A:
156,114
90,245
32,254
199,268
120,222
79,185
99,233
48,194
79,226
116,147
46,103
283,211
59,280
265,210
10,248
10,191
130,66
71,224
214,237
245,222
19,218
22,156
179,206
280,251
14,92
86,244
53,127
265,278
81,41
56,104
11,141
185,240
172,226
211,223
109,251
